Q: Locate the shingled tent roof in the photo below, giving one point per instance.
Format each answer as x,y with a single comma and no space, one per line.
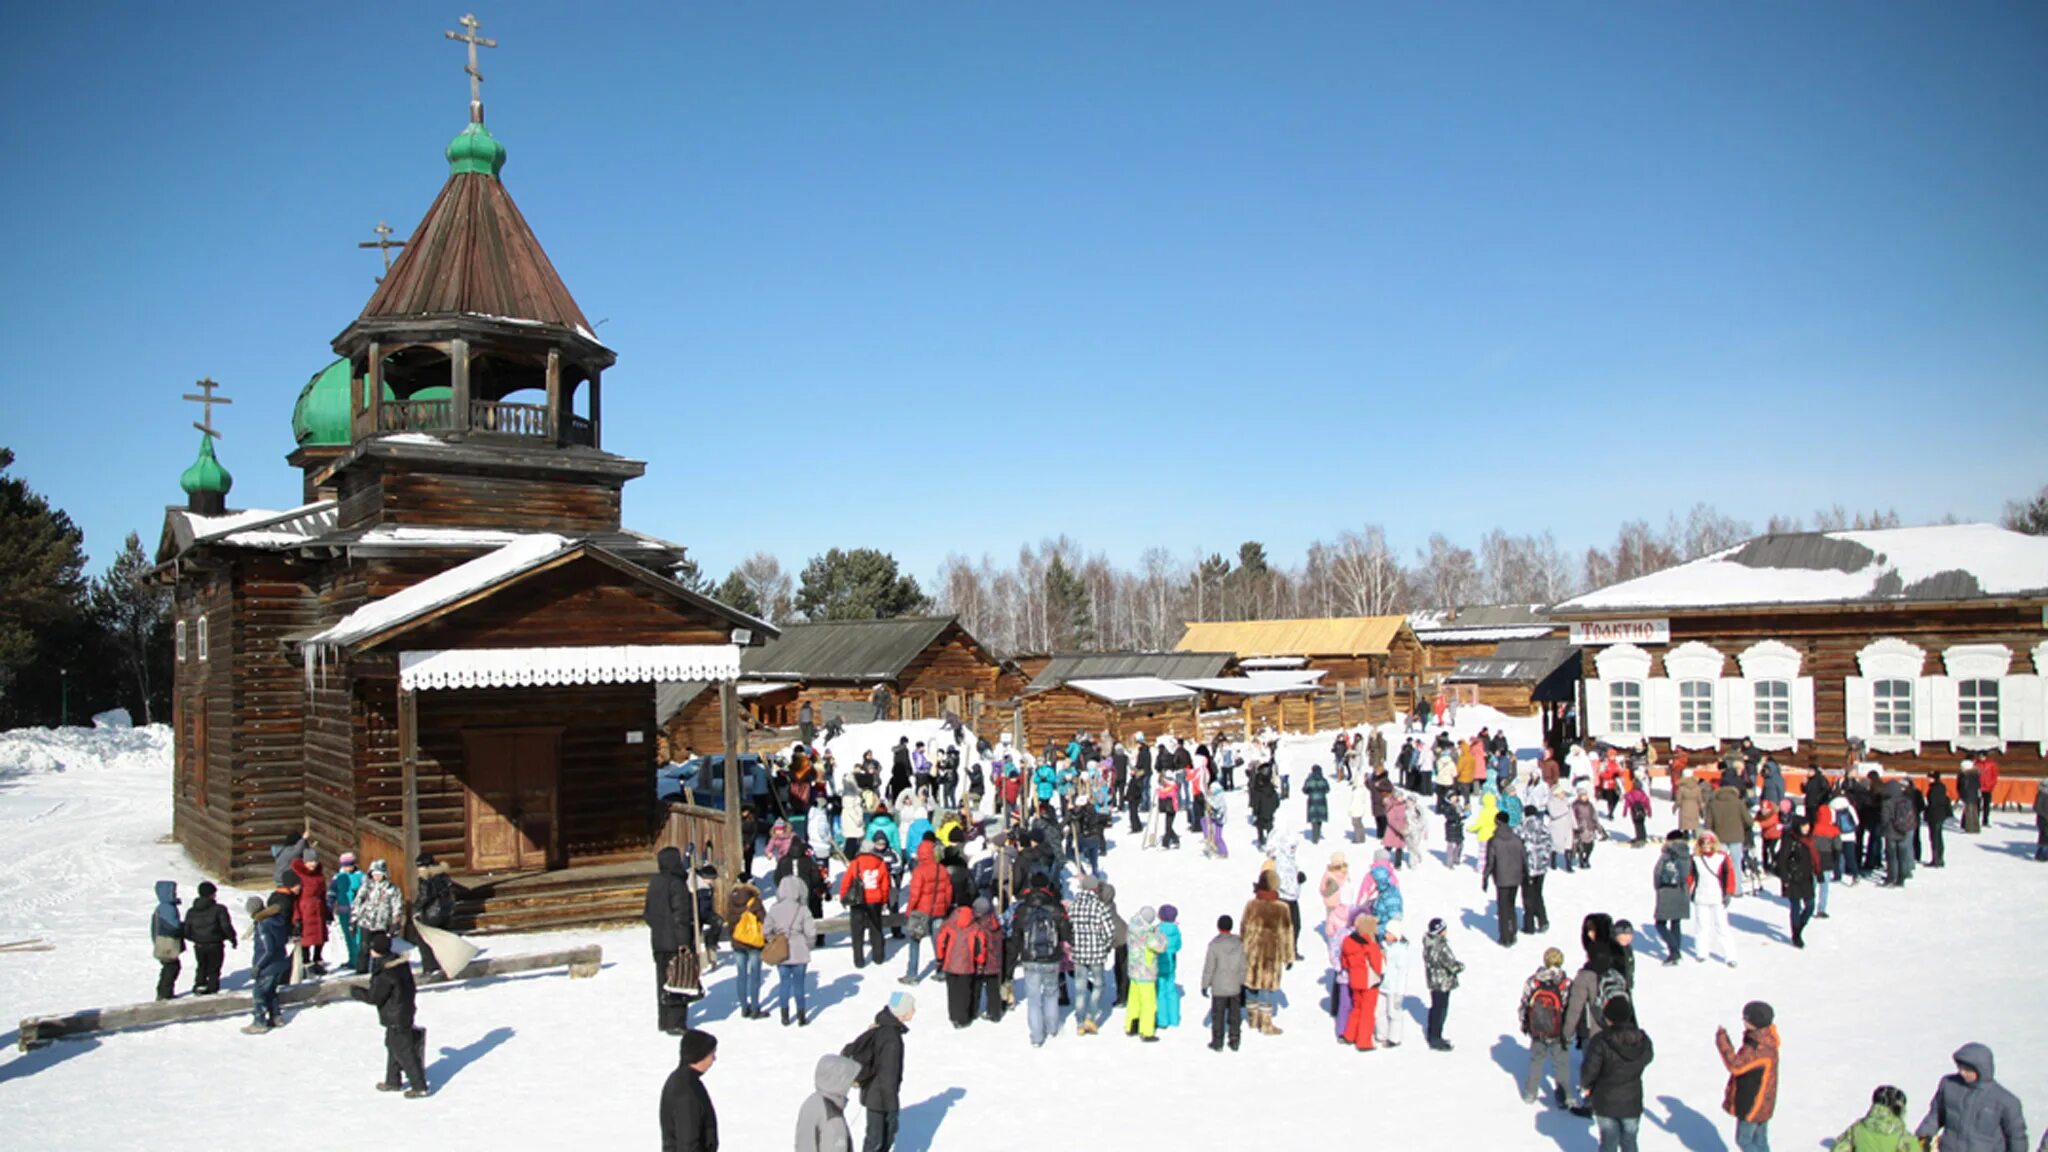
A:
1342,636
1116,665
865,651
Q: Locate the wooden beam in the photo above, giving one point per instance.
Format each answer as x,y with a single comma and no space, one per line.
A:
582,961
375,386
735,747
458,378
556,425
597,409
408,760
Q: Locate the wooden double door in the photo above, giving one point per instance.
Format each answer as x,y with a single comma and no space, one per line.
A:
514,800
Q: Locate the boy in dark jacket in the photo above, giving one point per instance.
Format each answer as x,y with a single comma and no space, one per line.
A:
209,930
392,992
1223,984
1612,1077
1971,1111
688,1121
271,964
1752,1093
879,1052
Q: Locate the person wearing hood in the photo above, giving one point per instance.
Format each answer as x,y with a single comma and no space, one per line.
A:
689,1123
791,920
379,907
166,938
1505,861
1265,805
1612,1077
821,1122
1141,1011
1287,882
1167,967
1729,818
1317,790
960,949
1267,929
879,1053
270,961
1393,995
1536,855
314,911
210,931
1971,1111
1752,1093
749,941
1336,910
392,992
930,899
670,911
1669,876
1883,1128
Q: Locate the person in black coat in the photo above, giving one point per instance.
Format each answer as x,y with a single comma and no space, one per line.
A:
670,913
1139,784
1612,1075
392,992
899,769
879,1051
209,930
1817,791
1507,861
1798,869
688,1121
1939,808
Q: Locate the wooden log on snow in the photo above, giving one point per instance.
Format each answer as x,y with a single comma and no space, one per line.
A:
582,961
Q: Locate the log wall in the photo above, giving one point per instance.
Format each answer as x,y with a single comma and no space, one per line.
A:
1060,712
369,497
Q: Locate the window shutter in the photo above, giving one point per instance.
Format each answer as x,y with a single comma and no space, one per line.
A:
2022,713
1660,707
1802,709
1734,708
1857,722
1598,724
1934,709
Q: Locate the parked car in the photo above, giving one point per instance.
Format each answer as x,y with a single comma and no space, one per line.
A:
700,780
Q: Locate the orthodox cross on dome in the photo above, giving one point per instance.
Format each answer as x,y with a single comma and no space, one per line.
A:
383,242
476,78
206,400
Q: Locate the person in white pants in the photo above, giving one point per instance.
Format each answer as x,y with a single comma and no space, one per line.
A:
1712,884
1392,1012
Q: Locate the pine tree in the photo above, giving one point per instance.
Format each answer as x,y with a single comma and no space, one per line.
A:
2029,516
42,573
857,584
737,593
132,615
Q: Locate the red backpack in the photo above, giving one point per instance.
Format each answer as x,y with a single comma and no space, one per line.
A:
1543,1016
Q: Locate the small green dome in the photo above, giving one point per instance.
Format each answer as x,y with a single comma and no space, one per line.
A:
475,150
320,418
206,473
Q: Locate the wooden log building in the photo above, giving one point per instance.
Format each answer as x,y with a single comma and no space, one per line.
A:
453,645
1376,656
1919,646
1475,632
1122,693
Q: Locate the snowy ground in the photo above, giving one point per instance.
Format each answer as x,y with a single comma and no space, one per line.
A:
1885,990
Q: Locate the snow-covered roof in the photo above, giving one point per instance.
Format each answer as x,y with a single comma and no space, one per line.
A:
1273,662
536,667
1258,683
441,589
1480,623
1483,635
262,527
1944,563
1133,689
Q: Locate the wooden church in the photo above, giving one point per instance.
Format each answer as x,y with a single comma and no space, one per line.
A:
452,646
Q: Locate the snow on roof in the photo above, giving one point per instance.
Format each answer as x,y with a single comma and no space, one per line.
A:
539,667
440,589
1133,689
1440,626
1257,684
216,527
472,537
1481,635
1943,563
1273,662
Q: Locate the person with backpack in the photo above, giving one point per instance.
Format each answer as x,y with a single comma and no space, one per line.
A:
961,949
1542,1019
930,899
1223,984
1798,868
1670,878
1883,1128
1612,1077
1971,1111
1040,933
1901,822
1141,1010
1711,884
745,911
1752,1093
166,938
878,1054
210,931
821,1121
392,994
865,890
1504,868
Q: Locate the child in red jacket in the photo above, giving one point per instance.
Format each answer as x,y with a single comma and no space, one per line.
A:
1363,965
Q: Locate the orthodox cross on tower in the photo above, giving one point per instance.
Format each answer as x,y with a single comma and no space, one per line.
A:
383,242
476,78
206,400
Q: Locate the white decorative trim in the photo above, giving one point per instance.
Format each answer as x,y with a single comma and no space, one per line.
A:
1622,662
1891,658
1977,661
542,667
1693,660
1768,660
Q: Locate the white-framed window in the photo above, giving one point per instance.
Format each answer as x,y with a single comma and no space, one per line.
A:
201,640
179,632
1696,707
1977,709
1891,709
1625,707
1773,707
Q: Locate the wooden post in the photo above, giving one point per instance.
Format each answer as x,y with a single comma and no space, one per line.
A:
1247,717
408,763
555,421
1311,712
597,409
458,378
375,386
728,710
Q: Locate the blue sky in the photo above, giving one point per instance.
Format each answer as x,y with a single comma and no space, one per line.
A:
953,277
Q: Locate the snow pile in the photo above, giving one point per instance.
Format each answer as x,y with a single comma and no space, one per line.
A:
34,751
880,739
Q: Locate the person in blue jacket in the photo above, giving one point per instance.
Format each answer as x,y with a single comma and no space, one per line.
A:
271,963
1167,967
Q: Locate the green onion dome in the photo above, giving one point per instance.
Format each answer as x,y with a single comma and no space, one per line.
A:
206,473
